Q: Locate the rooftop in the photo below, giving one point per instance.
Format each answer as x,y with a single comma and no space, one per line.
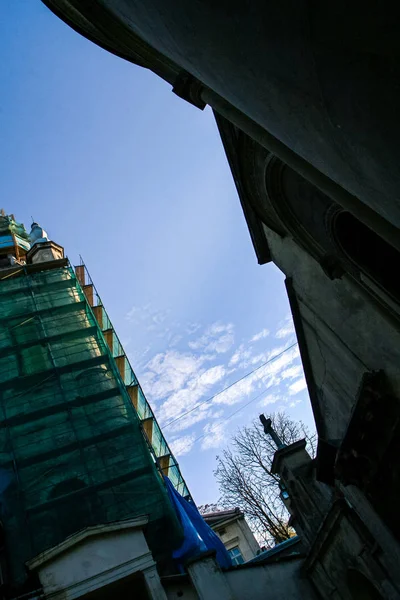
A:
212,518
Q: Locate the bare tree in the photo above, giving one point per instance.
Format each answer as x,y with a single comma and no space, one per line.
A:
205,509
245,479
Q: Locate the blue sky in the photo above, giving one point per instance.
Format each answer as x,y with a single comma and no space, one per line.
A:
118,169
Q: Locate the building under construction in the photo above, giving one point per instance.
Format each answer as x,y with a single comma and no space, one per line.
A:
82,455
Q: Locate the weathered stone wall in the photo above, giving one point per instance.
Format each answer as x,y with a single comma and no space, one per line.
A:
281,580
238,533
347,333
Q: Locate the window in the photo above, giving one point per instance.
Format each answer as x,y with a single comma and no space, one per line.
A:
368,251
284,492
236,556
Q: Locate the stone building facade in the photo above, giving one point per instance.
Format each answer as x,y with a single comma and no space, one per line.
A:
234,531
306,99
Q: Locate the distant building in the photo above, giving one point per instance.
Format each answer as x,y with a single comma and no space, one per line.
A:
236,534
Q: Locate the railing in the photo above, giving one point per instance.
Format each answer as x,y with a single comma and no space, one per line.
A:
158,445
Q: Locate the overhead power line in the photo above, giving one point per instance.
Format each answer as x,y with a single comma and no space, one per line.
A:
235,412
228,387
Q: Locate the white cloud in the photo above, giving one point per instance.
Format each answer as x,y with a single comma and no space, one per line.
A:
180,380
236,393
214,435
182,445
292,372
259,336
152,319
147,312
241,355
216,338
217,414
297,386
196,416
294,402
186,396
266,376
211,376
271,374
169,371
174,340
258,358
285,330
192,328
270,399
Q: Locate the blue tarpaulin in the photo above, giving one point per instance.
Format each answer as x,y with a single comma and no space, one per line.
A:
198,536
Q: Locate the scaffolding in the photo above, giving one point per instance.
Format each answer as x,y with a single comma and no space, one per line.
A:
79,444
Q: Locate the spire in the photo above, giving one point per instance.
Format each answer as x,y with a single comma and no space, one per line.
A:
37,234
269,430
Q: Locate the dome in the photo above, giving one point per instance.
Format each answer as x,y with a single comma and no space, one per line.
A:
37,234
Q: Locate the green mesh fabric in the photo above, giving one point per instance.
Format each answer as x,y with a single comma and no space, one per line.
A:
72,452
159,446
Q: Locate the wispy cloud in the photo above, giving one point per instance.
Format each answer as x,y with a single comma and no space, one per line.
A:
214,435
218,337
147,313
259,336
286,329
192,418
271,373
236,393
184,381
182,445
294,403
191,328
292,372
169,371
195,386
241,356
267,376
297,386
270,399
174,340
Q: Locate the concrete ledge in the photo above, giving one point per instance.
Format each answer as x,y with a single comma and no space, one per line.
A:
279,454
80,536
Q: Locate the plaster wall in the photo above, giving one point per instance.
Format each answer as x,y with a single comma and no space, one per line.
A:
249,541
238,533
94,562
180,591
281,581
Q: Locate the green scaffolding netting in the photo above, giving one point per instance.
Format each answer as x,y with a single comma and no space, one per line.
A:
72,451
